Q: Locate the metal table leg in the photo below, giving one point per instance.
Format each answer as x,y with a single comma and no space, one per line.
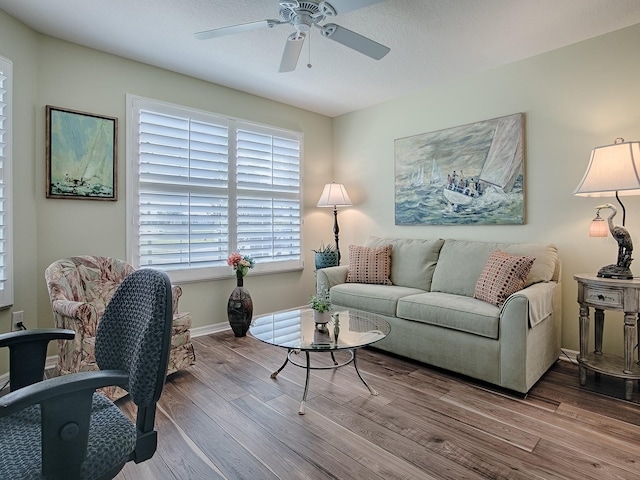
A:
286,360
355,364
306,386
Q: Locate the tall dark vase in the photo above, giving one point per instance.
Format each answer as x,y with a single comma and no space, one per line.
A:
240,308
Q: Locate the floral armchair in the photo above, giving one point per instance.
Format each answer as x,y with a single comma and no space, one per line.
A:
80,288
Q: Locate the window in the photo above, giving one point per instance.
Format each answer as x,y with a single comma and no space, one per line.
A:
6,207
201,186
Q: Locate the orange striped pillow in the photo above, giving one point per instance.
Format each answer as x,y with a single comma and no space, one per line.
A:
503,275
369,265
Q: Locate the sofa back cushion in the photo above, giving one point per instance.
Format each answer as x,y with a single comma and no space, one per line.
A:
413,261
461,262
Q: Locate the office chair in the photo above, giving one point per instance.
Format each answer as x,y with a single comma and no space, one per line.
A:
60,428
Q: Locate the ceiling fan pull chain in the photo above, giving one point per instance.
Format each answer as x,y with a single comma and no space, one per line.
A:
309,43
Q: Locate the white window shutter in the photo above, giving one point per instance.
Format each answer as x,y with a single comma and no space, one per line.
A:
206,186
6,214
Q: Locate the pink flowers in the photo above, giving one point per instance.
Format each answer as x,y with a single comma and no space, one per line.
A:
240,263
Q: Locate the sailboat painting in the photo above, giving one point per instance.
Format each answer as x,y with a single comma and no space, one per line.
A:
81,155
467,175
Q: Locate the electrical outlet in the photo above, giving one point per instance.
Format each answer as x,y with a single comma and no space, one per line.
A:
17,321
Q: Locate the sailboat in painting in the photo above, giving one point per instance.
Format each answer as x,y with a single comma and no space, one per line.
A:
500,170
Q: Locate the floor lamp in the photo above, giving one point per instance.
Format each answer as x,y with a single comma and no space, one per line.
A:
334,195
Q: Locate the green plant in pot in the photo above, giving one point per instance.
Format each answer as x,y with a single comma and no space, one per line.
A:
326,256
320,303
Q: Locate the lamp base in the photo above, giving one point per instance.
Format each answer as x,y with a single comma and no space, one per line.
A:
615,271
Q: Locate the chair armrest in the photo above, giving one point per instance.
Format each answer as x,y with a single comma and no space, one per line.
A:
176,293
79,316
57,388
28,353
36,335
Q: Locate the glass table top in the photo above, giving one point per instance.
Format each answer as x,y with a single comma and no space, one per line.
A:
295,329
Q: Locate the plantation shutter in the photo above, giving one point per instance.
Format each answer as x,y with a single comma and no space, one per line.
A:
6,233
202,186
183,196
268,172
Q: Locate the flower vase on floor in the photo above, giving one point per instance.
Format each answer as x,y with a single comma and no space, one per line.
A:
240,308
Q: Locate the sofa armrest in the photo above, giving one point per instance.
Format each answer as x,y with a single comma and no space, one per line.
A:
528,349
331,276
539,298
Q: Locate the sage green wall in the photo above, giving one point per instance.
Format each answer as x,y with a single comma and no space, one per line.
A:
18,44
52,72
573,98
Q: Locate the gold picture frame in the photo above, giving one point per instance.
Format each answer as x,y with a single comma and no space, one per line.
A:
81,155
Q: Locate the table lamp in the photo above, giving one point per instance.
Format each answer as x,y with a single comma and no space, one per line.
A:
334,195
613,170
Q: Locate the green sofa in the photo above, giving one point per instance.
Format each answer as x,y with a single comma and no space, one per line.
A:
435,319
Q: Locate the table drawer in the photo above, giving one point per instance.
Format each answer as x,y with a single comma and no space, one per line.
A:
605,297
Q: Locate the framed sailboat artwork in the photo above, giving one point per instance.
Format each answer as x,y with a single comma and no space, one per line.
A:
81,155
467,175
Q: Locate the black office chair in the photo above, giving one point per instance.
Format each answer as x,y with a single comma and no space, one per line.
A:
60,428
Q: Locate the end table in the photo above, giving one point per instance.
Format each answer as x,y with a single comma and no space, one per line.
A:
609,294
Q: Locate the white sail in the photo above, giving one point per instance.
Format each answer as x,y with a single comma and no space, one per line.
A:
436,175
504,160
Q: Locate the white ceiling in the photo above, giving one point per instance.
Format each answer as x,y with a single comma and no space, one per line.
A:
431,41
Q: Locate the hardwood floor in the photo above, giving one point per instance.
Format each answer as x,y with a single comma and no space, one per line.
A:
225,418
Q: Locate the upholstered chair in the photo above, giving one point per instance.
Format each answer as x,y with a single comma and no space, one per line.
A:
60,428
79,289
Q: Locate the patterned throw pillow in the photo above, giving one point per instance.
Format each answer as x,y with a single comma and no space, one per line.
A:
503,275
369,265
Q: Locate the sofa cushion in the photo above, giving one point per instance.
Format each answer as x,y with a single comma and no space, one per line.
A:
461,262
369,265
412,261
382,299
451,311
503,275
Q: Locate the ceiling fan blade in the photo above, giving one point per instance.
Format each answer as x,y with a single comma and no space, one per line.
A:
292,50
243,27
355,41
342,6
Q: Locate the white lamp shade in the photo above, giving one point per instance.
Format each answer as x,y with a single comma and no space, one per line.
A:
334,195
612,168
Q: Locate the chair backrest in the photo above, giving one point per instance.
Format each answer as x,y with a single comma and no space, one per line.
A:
134,333
86,278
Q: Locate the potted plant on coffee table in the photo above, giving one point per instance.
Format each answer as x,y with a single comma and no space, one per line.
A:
320,303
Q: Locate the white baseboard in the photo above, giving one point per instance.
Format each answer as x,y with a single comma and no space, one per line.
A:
569,355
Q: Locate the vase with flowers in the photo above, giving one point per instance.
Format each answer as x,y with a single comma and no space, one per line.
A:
240,306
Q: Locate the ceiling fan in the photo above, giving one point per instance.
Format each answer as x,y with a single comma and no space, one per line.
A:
303,15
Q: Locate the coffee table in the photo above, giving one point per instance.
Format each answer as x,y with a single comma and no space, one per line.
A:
296,331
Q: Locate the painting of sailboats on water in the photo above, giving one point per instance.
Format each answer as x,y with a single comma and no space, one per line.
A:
467,175
81,155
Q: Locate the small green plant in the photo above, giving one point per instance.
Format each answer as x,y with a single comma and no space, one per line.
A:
328,248
320,302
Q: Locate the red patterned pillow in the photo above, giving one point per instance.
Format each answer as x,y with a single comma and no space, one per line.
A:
369,265
503,275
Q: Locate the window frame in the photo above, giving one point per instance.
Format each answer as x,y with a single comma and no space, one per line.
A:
134,104
6,180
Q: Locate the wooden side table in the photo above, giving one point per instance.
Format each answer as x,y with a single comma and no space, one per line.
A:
609,294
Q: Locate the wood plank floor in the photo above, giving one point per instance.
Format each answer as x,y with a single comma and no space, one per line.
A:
225,418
